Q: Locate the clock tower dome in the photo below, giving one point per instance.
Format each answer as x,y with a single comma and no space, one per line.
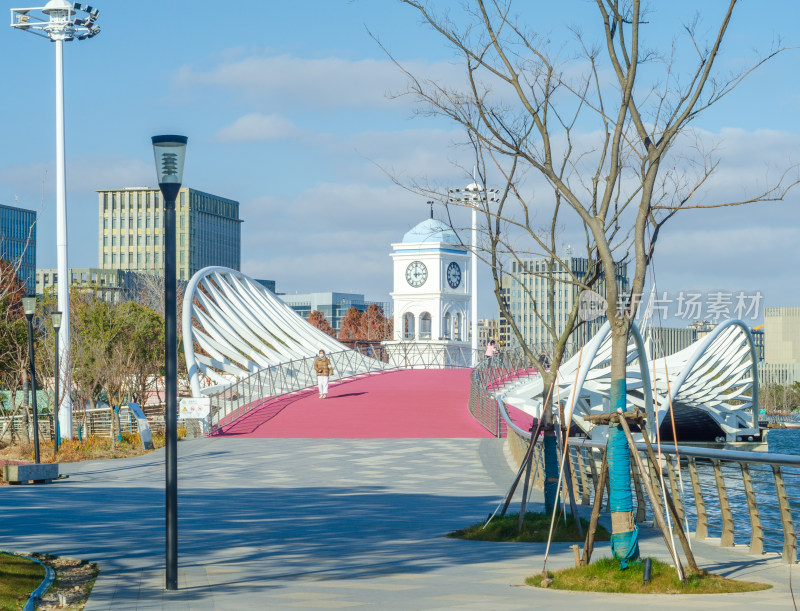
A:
431,290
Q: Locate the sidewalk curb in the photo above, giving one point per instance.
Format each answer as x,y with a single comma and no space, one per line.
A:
49,578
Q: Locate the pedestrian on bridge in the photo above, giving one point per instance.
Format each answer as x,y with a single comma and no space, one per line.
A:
323,367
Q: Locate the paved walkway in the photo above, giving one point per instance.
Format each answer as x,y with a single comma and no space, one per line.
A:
319,524
417,403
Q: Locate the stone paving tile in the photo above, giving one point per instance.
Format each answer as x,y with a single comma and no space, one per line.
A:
333,524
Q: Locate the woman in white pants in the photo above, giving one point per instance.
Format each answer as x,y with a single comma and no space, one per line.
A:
323,368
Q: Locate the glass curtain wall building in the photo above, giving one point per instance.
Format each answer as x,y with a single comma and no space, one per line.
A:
131,232
529,276
18,243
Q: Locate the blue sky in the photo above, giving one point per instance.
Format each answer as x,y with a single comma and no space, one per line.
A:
286,109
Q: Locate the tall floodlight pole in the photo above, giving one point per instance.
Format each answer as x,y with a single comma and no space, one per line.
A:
474,266
473,197
170,153
60,21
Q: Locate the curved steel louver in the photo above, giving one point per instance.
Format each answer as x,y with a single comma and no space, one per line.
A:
716,377
241,327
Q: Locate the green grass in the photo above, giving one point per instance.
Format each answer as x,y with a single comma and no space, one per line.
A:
18,578
535,528
604,576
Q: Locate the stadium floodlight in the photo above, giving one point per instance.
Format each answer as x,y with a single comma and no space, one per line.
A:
60,21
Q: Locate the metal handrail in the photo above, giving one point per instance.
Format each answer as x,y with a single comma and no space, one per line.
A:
488,378
721,495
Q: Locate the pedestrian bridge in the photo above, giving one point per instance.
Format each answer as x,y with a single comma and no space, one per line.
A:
245,349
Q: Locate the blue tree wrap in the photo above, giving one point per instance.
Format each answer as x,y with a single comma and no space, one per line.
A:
550,472
624,545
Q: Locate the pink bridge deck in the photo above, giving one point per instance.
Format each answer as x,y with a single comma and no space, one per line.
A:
409,404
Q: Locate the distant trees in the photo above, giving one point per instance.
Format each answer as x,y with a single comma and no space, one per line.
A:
374,325
370,325
318,320
778,398
117,351
351,325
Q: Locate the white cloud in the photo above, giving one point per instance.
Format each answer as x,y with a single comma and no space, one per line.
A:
258,127
331,82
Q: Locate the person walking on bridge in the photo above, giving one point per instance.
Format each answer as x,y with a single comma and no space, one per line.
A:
323,367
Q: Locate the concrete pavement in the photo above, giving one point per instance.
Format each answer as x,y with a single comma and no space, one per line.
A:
318,524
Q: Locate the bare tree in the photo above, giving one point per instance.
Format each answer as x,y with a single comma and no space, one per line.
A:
13,343
637,164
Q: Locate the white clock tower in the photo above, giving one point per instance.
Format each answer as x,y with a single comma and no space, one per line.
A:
431,292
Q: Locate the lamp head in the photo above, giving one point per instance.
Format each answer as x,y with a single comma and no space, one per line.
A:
56,316
29,306
170,152
58,8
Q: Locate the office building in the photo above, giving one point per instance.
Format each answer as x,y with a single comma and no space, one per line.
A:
781,346
527,284
18,243
333,305
504,332
131,233
487,330
669,340
267,284
782,335
112,285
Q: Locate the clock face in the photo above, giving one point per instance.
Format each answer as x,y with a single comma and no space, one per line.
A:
453,275
416,273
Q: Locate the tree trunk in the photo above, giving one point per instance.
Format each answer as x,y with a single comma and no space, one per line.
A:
549,445
26,424
624,533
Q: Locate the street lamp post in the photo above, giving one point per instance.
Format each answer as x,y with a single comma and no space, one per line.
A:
29,307
60,21
56,318
170,152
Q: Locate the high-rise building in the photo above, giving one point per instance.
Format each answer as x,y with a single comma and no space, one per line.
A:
782,335
781,346
504,332
18,242
528,283
131,232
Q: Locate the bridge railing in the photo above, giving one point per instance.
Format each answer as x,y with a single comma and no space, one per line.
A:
247,394
91,422
747,498
737,498
488,378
